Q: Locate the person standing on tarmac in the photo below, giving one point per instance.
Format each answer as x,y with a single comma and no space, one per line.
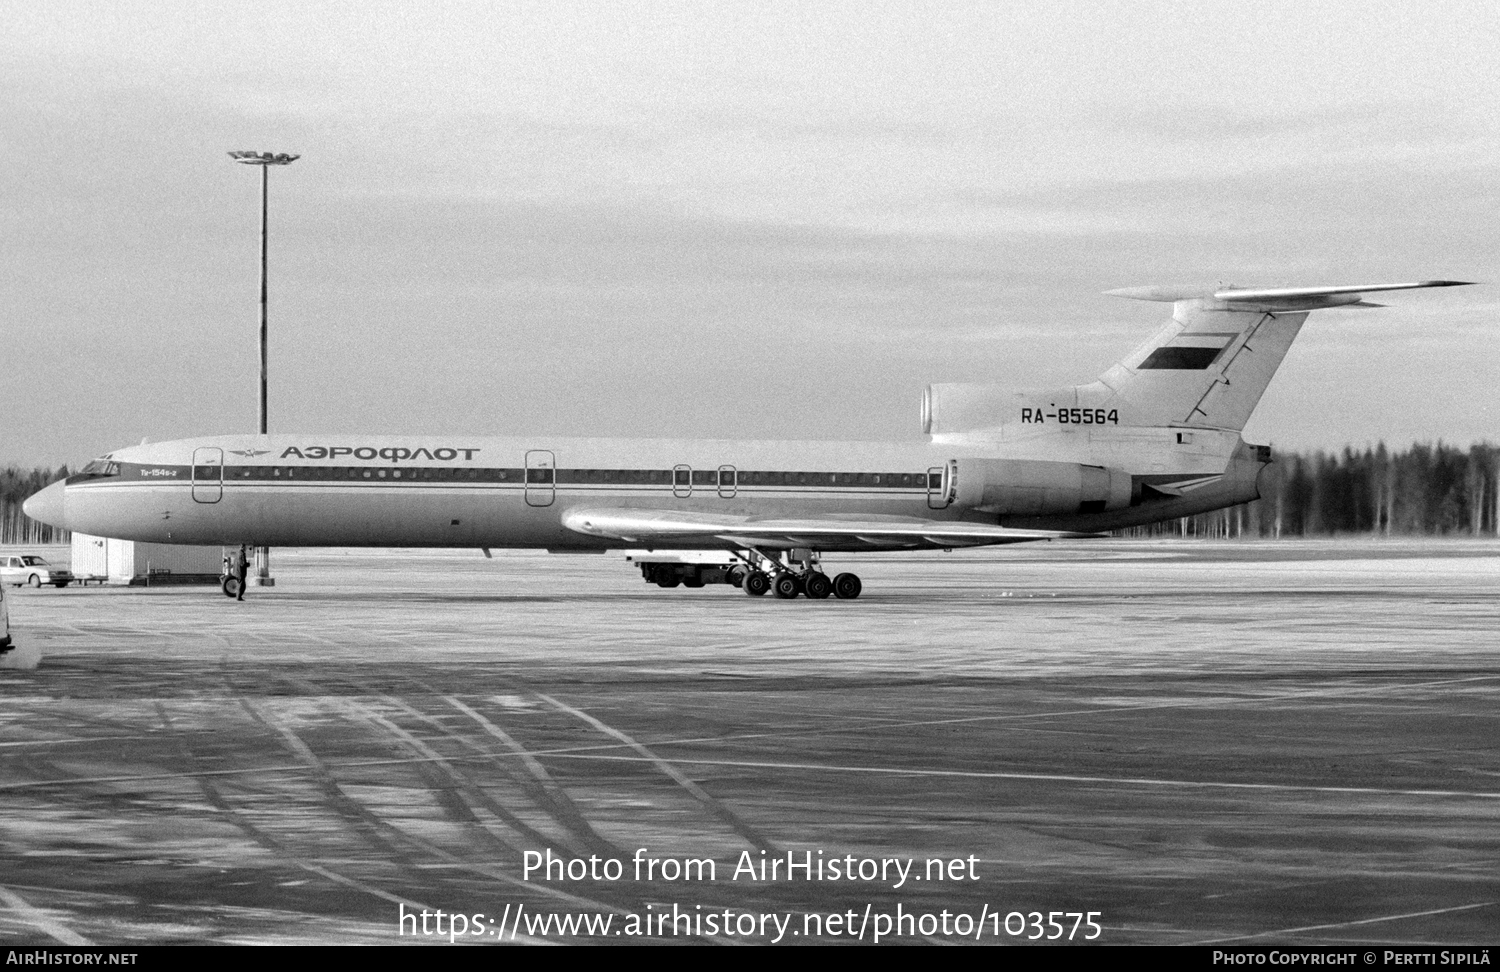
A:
242,569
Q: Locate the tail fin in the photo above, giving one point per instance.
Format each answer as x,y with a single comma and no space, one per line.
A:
1207,368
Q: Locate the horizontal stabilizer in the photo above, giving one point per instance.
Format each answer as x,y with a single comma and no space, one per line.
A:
649,527
1270,298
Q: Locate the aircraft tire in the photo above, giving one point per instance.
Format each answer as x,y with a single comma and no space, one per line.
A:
816,585
786,586
230,586
847,586
755,583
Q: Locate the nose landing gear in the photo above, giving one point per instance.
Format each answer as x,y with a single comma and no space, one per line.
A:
232,581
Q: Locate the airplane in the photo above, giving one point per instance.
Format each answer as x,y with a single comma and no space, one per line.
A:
1156,437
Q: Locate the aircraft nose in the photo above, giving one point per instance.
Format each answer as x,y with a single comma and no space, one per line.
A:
46,506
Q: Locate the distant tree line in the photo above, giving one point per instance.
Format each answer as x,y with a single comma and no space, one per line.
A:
15,485
1427,490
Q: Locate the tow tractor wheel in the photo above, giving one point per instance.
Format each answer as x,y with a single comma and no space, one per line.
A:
230,586
816,585
755,583
668,580
847,586
736,576
786,586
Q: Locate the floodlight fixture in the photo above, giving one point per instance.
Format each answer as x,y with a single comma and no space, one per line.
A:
264,158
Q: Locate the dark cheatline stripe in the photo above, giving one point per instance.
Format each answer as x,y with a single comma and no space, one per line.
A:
373,475
1180,359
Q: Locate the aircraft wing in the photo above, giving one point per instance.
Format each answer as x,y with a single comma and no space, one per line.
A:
665,527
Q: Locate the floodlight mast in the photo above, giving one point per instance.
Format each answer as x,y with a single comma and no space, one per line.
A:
265,160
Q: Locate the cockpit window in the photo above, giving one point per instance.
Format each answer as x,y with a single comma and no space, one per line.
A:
101,467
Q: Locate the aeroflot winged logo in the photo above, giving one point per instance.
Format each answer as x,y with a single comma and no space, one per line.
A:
248,453
388,453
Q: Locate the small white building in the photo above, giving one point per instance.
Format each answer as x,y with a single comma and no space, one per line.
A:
110,561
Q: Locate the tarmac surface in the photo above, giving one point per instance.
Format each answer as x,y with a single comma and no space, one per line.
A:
1247,743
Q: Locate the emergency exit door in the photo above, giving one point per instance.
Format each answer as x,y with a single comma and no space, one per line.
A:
541,477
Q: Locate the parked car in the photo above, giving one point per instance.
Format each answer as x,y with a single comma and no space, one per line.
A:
33,570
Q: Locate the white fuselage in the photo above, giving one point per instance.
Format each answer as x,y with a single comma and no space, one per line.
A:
456,491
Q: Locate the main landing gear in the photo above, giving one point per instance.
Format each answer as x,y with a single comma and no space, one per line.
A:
797,572
812,584
758,573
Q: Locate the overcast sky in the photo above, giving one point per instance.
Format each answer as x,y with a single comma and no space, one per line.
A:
727,220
